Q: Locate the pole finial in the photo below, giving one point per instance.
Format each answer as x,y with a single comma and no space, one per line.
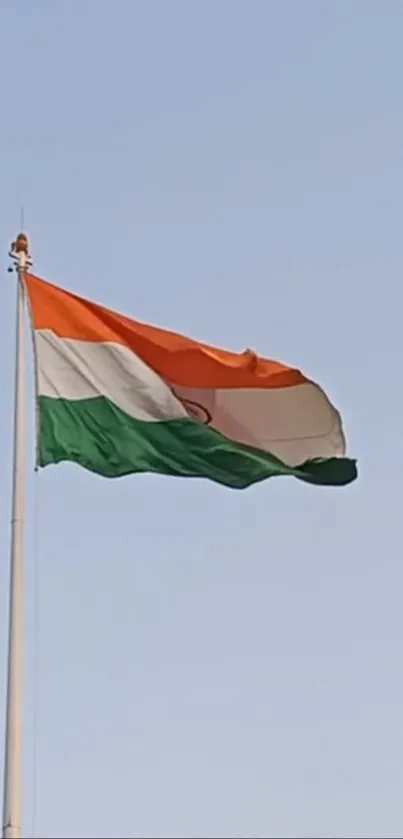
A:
19,253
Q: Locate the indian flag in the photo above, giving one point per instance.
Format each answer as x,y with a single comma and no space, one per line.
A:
117,397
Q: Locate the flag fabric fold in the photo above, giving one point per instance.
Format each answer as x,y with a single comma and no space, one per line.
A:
118,397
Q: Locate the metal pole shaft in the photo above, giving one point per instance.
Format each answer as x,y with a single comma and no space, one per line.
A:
12,801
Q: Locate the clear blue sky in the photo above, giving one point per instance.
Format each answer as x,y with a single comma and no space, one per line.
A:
213,663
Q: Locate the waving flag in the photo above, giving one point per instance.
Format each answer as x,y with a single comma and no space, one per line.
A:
118,397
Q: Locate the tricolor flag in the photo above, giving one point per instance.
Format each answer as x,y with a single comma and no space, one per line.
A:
117,397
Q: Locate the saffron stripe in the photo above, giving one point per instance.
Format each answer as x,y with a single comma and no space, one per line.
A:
177,359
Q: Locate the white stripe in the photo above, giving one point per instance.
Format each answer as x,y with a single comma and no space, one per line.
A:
70,369
296,423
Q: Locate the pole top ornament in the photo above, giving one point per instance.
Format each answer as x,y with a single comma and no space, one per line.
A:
19,253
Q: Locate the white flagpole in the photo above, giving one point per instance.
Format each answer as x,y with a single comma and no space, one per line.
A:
12,800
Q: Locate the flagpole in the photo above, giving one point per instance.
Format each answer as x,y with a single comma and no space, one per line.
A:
12,796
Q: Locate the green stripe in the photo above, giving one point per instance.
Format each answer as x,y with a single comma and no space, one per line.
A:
100,437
